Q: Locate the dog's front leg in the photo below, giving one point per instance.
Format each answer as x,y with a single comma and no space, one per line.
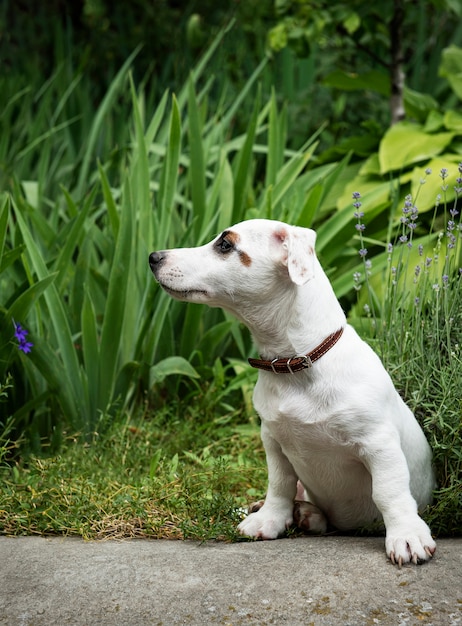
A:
408,538
276,515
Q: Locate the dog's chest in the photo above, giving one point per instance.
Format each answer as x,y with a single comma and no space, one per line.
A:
297,420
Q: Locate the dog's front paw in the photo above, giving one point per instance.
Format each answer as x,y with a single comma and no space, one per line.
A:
266,523
410,543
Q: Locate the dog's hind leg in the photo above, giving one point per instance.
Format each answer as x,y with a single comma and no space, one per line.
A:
309,518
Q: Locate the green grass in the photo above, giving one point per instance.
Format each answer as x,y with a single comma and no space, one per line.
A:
164,474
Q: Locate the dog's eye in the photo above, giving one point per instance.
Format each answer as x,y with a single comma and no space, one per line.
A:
224,245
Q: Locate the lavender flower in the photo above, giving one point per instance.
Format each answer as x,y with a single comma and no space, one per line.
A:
444,175
360,227
21,333
458,187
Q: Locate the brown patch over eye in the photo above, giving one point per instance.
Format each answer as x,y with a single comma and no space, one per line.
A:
230,236
245,259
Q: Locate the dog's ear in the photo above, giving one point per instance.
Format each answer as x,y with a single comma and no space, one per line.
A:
299,243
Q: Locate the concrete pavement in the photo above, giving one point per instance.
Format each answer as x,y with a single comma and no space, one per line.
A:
307,580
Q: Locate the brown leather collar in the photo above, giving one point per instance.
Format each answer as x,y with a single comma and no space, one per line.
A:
300,361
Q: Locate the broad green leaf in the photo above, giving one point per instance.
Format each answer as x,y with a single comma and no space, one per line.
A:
453,121
451,68
405,144
171,366
425,195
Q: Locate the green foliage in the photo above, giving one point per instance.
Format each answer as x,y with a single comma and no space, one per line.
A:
172,473
413,306
74,270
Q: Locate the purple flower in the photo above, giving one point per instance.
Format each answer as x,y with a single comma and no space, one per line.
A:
363,252
25,346
21,333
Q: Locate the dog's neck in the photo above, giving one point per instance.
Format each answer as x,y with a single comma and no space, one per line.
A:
297,321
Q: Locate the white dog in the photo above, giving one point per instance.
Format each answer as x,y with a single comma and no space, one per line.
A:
331,417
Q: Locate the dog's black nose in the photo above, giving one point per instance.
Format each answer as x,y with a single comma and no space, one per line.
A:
155,259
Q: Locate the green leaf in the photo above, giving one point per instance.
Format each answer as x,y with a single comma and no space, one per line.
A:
405,144
59,322
74,237
425,195
243,167
196,164
169,174
23,303
90,354
4,212
109,200
171,366
418,105
453,121
115,306
451,68
374,80
99,122
274,147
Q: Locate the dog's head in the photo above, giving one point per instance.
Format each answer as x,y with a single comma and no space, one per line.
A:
251,260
